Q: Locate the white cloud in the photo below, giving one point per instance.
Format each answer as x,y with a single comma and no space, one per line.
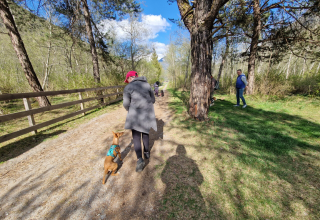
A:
114,28
160,48
153,23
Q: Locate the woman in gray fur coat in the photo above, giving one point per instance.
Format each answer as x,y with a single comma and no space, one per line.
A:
138,100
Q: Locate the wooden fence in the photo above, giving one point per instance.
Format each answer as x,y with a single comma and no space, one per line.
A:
29,112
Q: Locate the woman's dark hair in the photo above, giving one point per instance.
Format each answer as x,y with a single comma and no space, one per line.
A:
157,83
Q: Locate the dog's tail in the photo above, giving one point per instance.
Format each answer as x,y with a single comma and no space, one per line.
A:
104,176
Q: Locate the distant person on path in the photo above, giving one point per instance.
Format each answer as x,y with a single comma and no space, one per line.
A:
241,84
156,88
138,100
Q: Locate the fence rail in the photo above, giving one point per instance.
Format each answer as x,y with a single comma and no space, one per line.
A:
30,112
5,97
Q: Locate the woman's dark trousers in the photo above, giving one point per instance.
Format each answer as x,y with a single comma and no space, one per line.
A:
136,135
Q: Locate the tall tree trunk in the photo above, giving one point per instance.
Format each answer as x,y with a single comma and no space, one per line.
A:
187,69
47,70
214,64
68,58
174,69
311,66
201,50
86,62
242,65
259,67
175,78
232,67
254,45
318,68
288,69
270,57
95,62
21,52
304,64
199,18
132,58
223,59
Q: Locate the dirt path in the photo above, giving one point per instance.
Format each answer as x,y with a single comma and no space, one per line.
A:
62,178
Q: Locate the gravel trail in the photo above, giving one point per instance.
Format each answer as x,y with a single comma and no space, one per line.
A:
62,178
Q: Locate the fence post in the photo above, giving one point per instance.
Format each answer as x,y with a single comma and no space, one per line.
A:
81,104
27,107
104,99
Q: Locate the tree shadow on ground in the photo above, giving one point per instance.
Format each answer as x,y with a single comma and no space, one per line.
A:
264,160
17,148
30,185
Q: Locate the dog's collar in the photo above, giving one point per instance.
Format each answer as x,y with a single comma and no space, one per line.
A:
110,152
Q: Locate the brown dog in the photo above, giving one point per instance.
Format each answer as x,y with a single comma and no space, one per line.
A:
113,152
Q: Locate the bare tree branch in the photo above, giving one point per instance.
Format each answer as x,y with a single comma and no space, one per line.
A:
222,36
213,13
216,30
284,8
275,5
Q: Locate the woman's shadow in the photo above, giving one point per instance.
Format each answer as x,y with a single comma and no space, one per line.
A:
155,135
182,197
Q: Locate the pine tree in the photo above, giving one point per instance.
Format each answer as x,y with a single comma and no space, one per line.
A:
156,64
199,19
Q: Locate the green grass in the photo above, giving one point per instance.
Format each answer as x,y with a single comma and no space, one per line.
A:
261,162
14,147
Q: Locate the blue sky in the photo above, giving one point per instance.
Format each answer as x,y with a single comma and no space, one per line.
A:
162,7
154,18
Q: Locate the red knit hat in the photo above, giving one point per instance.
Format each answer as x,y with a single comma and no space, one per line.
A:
131,73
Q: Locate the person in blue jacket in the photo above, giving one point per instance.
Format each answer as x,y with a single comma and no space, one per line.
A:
241,84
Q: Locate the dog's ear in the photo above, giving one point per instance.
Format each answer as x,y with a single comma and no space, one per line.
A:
120,134
114,134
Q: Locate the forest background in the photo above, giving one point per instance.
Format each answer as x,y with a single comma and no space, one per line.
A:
55,37
57,45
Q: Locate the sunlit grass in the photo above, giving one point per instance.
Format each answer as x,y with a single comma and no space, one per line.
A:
261,162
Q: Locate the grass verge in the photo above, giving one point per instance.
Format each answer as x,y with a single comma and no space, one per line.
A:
261,162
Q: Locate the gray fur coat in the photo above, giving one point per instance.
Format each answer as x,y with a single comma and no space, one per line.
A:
138,100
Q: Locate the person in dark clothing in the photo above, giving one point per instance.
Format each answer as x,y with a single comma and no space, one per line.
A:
156,88
241,84
138,100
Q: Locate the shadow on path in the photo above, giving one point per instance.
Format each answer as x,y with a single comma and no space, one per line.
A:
182,198
17,148
156,135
